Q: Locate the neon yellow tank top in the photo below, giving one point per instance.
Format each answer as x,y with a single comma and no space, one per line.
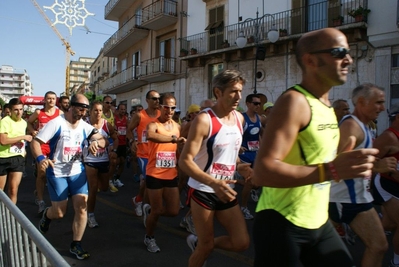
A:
307,206
111,119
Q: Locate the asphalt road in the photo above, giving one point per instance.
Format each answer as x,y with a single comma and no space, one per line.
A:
118,241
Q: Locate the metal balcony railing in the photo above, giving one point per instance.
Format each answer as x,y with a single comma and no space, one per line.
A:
290,22
158,65
129,74
110,5
160,7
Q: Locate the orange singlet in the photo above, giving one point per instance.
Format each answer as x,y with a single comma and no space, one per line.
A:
142,145
162,156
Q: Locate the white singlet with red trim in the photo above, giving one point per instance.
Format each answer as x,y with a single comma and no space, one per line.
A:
218,153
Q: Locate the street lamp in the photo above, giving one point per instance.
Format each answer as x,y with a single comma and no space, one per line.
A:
272,36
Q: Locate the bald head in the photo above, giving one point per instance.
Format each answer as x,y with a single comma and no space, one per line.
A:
317,40
207,103
79,98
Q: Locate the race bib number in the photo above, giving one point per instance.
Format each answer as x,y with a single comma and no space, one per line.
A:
367,183
253,145
17,148
165,160
222,171
122,130
100,152
144,136
71,154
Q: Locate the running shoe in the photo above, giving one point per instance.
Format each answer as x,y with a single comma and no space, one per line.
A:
79,252
146,211
118,183
350,236
190,225
112,188
36,199
91,221
392,264
254,195
151,244
42,206
138,207
44,223
247,214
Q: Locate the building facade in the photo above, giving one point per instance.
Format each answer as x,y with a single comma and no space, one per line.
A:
101,69
79,75
14,83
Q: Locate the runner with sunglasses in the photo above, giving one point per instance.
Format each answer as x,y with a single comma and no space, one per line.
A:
164,139
297,160
140,120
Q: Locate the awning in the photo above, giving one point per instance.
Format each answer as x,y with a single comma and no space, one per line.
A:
214,25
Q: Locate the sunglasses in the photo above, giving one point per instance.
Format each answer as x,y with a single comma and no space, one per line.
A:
256,103
165,107
338,52
81,106
107,102
154,98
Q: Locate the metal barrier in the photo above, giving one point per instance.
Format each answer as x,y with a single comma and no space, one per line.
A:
21,243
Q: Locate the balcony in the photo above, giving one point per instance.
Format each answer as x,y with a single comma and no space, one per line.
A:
159,15
115,8
158,69
125,37
122,82
291,24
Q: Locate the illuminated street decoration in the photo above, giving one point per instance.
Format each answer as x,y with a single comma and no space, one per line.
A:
72,13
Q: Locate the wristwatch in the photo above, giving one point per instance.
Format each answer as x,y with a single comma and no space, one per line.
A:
114,150
174,139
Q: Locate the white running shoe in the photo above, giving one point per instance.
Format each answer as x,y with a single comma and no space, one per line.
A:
91,221
138,207
112,187
192,244
146,211
151,245
247,214
118,183
42,206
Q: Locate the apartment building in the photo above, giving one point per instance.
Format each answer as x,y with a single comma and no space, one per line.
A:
101,69
267,32
146,49
14,83
79,75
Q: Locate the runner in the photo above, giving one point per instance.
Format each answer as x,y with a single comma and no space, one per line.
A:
120,127
66,177
163,137
97,166
209,157
36,122
12,148
140,121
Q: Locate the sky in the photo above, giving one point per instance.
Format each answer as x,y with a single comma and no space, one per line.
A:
27,41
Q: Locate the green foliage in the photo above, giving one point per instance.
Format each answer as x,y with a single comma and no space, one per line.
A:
359,11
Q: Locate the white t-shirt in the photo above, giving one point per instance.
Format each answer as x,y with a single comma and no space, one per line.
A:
66,145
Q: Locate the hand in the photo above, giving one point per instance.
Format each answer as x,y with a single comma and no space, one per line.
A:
385,165
354,163
223,191
28,138
44,164
242,150
34,133
93,147
245,170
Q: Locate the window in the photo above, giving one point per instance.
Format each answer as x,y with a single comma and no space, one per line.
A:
216,28
395,60
136,64
213,71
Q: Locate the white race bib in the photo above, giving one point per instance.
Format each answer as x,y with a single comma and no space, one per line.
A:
122,130
17,148
253,145
222,171
165,159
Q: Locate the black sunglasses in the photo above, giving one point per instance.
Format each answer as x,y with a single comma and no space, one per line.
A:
337,52
79,105
154,98
165,107
256,103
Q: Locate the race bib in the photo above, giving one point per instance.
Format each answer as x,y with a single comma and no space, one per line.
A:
253,145
17,148
122,130
367,183
144,136
71,153
222,171
100,152
165,160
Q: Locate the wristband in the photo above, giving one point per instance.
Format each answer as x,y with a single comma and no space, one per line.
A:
40,158
334,173
322,173
114,150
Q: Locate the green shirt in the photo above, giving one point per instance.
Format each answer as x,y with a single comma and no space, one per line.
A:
12,129
307,206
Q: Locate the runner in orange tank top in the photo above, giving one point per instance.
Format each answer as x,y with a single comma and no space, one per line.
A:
164,141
